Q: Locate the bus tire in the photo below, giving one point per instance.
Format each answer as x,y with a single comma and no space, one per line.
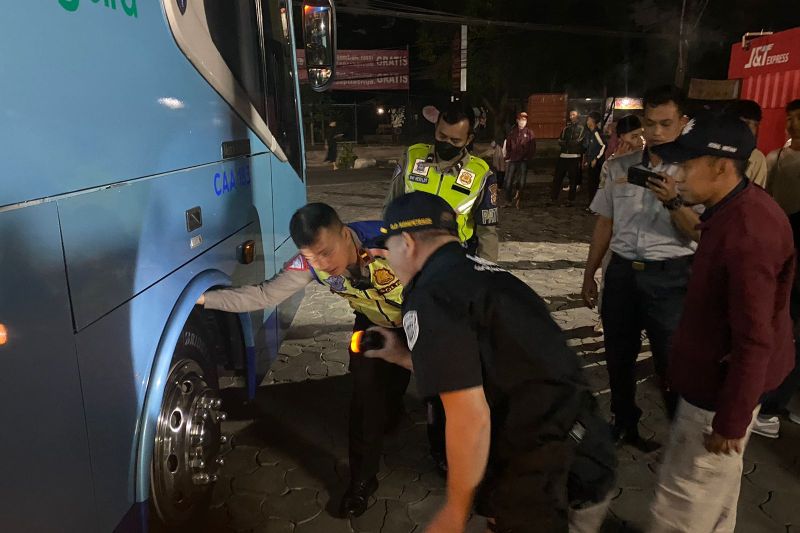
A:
186,448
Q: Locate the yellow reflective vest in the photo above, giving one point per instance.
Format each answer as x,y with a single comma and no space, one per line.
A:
460,188
381,303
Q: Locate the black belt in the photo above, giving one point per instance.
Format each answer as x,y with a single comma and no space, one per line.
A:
647,266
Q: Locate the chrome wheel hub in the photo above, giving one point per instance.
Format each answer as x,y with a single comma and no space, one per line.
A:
187,443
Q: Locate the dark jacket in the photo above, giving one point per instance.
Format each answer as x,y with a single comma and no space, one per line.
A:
573,139
595,144
520,144
734,342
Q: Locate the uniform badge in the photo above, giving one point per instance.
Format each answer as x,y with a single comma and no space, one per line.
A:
411,327
418,179
465,178
384,276
420,168
336,283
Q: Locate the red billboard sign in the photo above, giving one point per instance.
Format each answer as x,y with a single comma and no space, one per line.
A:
765,55
770,72
366,70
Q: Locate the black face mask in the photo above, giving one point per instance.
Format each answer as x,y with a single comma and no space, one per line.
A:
446,151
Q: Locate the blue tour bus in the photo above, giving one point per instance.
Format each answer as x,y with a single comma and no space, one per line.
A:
152,150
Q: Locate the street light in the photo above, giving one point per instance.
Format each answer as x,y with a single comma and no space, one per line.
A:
381,111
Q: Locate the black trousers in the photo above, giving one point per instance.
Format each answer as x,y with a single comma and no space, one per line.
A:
378,390
436,428
636,300
594,179
332,151
566,167
528,494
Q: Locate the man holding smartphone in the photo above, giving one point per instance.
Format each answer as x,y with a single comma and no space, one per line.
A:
652,237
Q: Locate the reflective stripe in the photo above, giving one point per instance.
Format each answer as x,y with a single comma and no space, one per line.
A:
466,206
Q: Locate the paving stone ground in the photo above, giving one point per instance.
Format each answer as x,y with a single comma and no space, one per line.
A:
286,467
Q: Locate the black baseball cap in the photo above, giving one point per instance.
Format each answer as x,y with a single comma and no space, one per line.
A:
416,211
712,134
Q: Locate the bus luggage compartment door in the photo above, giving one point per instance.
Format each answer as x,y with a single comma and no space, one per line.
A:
44,451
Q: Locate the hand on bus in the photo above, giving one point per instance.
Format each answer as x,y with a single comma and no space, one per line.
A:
201,300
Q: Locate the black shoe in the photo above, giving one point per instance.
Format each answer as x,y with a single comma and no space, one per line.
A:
356,499
630,436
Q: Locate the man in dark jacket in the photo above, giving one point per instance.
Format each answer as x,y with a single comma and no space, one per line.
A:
519,147
734,341
521,420
595,151
573,144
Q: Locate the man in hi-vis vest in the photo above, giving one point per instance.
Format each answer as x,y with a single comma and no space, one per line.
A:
447,169
336,255
464,181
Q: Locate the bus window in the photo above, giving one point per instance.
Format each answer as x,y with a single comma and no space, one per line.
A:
222,39
281,97
234,29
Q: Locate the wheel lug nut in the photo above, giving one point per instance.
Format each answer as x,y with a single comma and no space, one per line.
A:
213,478
216,404
223,439
221,416
220,461
197,463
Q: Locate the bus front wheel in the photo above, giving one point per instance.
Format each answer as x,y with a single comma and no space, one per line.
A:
186,451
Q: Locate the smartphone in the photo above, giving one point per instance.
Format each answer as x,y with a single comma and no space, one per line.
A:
638,176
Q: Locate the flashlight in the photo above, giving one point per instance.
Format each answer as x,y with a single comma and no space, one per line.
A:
361,341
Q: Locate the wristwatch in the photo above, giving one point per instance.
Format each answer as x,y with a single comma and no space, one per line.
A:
674,203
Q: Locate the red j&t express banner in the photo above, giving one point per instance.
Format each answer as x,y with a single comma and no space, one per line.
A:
772,53
365,70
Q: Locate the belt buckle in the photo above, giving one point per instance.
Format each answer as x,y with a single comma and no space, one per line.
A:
638,265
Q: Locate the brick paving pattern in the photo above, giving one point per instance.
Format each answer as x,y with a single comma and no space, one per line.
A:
286,466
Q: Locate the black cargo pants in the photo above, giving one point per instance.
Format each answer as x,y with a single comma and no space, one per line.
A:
378,390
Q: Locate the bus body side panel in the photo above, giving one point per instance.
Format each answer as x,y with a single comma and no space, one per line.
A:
141,228
289,194
110,98
46,473
116,357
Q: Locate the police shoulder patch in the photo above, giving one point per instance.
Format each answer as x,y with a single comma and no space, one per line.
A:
298,263
411,327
